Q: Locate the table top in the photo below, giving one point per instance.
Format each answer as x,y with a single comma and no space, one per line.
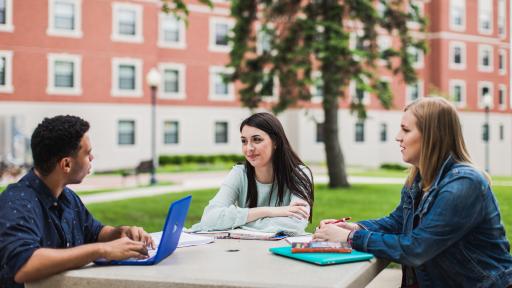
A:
226,263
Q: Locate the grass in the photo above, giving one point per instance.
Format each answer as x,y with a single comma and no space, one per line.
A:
360,202
96,191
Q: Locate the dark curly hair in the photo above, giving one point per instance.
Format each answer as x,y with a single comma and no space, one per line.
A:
56,138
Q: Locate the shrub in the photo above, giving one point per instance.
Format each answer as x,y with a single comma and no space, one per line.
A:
393,166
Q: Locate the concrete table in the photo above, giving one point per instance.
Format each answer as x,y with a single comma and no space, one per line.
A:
220,265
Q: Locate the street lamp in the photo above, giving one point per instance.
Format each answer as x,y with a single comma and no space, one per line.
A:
153,80
487,101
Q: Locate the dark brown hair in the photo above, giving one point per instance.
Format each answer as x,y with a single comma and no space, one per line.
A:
288,169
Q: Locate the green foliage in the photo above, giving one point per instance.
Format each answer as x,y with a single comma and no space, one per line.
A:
393,166
315,35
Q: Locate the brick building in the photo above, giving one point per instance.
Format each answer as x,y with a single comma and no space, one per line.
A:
90,58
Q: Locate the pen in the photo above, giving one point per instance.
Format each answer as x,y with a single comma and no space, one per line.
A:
344,219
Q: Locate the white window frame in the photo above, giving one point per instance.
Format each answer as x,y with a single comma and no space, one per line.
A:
213,47
481,49
138,9
408,91
463,96
503,87
7,88
503,53
421,8
259,35
77,74
384,42
421,57
182,42
179,132
181,94
489,5
8,26
53,31
231,87
502,20
135,141
480,85
215,132
115,91
451,63
315,76
453,5
366,95
275,91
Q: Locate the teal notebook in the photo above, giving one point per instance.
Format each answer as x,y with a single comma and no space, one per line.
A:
322,258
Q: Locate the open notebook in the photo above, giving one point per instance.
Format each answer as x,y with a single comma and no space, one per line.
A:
244,234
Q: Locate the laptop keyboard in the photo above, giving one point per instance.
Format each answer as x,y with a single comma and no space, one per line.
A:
157,236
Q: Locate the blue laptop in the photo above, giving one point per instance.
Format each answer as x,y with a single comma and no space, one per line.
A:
322,258
168,240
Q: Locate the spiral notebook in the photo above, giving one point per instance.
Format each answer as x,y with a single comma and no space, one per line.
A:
322,258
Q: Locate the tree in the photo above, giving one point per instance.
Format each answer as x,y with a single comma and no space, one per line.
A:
307,36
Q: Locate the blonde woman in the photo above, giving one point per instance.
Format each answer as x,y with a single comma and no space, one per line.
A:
447,229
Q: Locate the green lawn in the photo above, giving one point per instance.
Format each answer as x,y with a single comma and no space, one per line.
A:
360,202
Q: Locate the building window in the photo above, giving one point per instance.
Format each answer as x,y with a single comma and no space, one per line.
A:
220,86
485,16
126,132
6,71
219,34
457,56
6,16
416,56
502,132
502,97
320,132
172,31
126,77
484,88
383,132
317,89
485,133
502,20
268,87
458,15
65,18
173,81
264,40
485,58
359,95
458,92
502,62
414,91
64,74
127,22
359,131
221,132
171,132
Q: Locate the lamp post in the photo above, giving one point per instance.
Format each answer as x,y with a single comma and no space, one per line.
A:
487,101
153,80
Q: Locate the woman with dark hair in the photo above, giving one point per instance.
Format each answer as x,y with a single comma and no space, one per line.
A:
447,230
271,192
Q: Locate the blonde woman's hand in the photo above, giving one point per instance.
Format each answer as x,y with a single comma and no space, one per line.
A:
331,233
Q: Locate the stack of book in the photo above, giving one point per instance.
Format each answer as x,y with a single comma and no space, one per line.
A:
321,247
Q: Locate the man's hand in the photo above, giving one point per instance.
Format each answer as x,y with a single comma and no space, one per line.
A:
124,248
137,234
346,225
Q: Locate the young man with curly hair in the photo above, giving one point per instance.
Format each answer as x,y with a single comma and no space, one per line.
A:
44,227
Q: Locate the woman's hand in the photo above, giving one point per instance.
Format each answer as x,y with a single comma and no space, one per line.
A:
298,209
331,233
346,225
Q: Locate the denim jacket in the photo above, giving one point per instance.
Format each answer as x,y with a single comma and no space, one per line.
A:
459,241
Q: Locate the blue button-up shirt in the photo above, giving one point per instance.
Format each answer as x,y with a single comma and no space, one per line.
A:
31,218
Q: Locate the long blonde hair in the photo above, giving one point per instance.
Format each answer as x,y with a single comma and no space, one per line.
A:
441,135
